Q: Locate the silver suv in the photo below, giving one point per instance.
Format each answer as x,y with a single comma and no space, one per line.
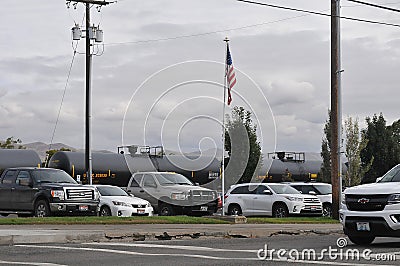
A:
272,199
172,193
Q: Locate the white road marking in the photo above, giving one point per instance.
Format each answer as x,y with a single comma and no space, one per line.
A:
353,263
30,263
194,248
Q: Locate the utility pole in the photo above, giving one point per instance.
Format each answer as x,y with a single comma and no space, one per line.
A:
335,108
92,33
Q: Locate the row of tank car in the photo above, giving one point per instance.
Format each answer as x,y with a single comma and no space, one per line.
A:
117,168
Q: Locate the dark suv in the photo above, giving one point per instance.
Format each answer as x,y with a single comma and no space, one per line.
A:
43,192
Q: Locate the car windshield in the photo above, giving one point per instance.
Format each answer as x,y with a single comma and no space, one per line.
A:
172,179
392,176
324,189
111,191
283,189
52,176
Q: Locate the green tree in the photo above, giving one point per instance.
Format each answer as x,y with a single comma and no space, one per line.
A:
50,153
325,173
355,143
379,148
242,146
11,143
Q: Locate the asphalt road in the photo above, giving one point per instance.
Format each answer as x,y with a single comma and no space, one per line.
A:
208,251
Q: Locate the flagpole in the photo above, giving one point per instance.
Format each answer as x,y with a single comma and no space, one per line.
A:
223,132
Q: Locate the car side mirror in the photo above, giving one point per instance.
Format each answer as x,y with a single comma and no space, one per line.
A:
267,192
312,193
379,179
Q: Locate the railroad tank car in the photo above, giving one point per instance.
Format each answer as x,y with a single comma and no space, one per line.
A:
116,169
18,158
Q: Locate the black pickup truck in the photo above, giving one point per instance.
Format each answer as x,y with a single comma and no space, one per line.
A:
41,192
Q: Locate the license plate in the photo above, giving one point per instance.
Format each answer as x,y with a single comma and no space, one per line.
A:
313,208
140,211
363,226
83,208
203,208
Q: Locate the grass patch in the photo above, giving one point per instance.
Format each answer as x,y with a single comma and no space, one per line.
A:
111,220
161,220
291,220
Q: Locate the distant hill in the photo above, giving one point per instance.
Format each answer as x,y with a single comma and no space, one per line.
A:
41,148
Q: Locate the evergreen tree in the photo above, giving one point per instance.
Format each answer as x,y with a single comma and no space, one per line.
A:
379,148
243,148
11,143
325,174
355,143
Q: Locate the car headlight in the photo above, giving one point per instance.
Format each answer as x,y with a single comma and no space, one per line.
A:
148,205
58,194
394,199
291,198
96,195
120,203
179,196
344,199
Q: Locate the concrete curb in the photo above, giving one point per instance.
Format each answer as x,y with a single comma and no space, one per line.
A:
131,233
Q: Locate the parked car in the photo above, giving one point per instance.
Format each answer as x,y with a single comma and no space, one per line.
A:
372,210
172,193
114,201
41,192
272,199
322,190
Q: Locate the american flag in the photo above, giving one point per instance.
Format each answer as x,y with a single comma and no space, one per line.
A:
230,74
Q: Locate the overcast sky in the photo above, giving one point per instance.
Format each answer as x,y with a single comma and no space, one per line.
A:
168,87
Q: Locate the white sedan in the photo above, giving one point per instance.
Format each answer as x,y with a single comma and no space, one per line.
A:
116,202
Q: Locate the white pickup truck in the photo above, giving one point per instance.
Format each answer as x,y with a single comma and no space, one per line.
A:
372,210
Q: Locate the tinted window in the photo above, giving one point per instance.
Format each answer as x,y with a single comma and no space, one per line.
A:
23,175
393,175
9,177
241,190
261,189
324,189
111,191
52,176
136,181
148,181
283,189
308,188
172,179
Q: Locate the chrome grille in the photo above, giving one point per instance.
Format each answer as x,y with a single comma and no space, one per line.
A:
366,202
79,194
311,200
139,206
203,195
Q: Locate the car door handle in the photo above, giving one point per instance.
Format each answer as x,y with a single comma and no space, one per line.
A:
141,190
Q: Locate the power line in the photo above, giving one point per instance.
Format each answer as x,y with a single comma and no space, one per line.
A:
374,5
318,13
62,99
207,33
251,26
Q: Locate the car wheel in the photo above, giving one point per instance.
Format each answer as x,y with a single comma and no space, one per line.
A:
42,209
327,210
105,211
280,211
166,210
361,240
234,209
